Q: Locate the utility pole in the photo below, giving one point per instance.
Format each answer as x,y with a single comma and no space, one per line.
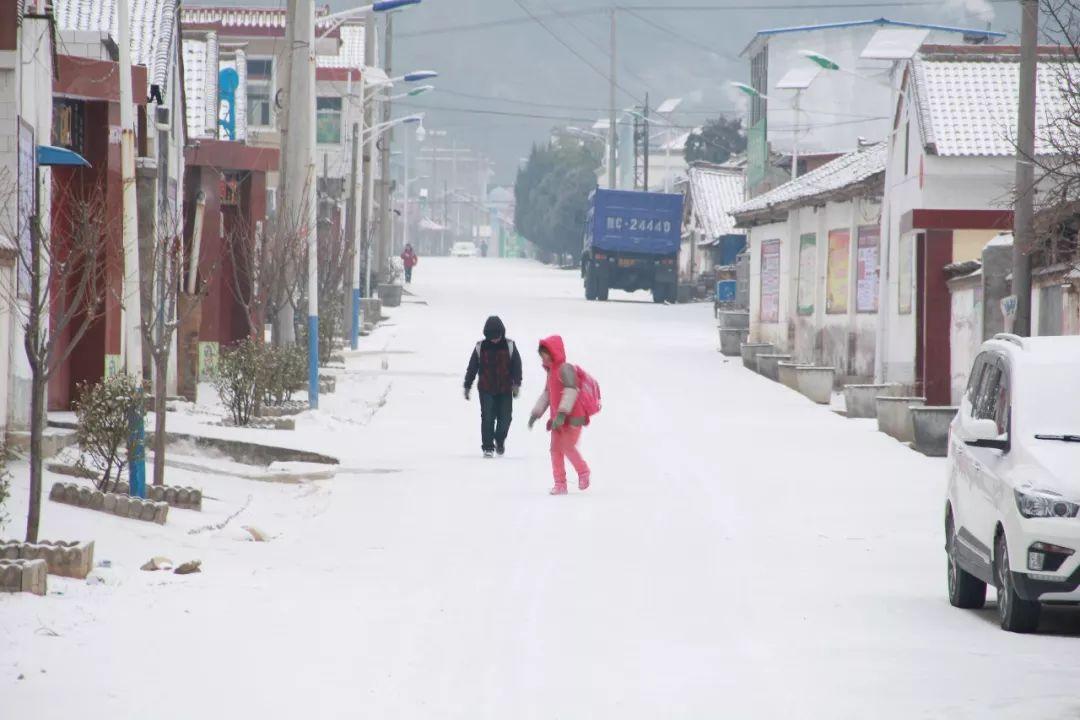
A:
284,331
301,200
352,233
611,109
385,211
445,210
131,312
646,142
405,201
367,212
131,338
795,138
1024,212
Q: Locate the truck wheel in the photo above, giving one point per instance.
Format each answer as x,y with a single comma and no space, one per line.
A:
590,282
601,292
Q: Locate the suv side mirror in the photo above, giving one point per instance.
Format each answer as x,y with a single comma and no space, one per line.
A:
982,432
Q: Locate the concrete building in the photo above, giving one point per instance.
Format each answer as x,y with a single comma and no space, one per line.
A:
949,186
86,116
710,238
836,108
26,120
814,257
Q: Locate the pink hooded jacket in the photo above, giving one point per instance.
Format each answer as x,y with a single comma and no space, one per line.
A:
561,393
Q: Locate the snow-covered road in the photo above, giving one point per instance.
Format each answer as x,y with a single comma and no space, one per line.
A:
742,554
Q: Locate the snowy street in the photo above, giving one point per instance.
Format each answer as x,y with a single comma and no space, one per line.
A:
742,553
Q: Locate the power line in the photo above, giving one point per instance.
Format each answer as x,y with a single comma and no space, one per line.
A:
562,14
568,46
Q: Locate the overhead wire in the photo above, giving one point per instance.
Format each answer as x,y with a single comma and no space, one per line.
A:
573,50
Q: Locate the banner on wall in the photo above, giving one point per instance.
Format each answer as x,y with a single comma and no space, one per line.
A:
837,281
866,283
807,272
770,281
904,277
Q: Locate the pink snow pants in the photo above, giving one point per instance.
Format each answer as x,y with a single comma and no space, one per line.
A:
564,447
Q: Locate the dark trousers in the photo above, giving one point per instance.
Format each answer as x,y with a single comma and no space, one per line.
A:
408,274
496,411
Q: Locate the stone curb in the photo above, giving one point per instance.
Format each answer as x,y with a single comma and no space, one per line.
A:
24,576
68,559
112,503
185,498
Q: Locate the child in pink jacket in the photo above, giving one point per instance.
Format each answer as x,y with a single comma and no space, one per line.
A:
566,417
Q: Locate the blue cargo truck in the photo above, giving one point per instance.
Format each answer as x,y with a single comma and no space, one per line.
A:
632,243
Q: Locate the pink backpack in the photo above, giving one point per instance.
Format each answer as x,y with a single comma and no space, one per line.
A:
588,400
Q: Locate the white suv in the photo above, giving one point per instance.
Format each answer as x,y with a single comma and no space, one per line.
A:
1013,499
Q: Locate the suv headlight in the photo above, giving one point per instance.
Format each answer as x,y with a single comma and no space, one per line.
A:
1043,504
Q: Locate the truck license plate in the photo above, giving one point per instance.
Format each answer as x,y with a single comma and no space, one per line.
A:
623,262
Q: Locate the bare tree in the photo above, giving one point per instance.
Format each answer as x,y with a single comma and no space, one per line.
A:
59,295
1057,160
162,288
333,256
265,268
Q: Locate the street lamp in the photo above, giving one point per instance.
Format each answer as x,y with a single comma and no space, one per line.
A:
301,144
369,136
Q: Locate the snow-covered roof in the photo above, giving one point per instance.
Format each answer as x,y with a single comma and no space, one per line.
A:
268,20
195,85
844,173
968,106
761,36
153,29
351,52
713,193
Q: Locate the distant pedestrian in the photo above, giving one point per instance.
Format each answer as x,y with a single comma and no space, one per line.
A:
497,364
571,397
483,248
409,259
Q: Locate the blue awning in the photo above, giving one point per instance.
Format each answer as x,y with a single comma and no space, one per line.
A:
51,155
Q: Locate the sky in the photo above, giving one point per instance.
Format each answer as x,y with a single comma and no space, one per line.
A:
505,85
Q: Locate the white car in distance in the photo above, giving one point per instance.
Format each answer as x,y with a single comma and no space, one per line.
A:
1012,507
464,249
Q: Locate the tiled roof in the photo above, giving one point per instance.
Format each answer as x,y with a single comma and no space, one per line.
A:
350,54
195,86
714,192
817,185
153,29
968,107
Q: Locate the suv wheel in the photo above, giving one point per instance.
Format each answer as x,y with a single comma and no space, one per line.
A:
1016,614
965,590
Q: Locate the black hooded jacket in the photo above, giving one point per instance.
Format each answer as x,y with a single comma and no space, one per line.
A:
496,364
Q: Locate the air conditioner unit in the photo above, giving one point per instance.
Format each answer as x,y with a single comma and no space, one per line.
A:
162,118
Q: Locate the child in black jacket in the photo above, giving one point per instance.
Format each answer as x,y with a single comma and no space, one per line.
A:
495,361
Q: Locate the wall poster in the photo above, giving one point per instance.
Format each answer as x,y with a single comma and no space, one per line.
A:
807,273
770,281
866,283
905,277
839,272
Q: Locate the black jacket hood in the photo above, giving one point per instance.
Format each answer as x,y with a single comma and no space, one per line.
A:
494,328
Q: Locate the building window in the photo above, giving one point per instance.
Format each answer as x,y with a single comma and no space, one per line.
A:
68,124
328,120
260,83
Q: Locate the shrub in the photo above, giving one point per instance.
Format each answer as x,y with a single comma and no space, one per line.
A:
241,379
285,370
104,412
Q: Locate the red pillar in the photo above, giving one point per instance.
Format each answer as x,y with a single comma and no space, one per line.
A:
936,319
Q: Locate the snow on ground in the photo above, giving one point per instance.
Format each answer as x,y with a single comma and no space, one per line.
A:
742,553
